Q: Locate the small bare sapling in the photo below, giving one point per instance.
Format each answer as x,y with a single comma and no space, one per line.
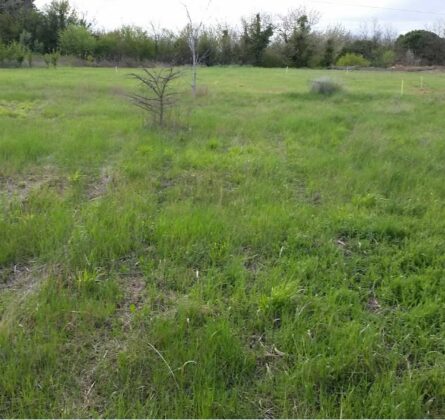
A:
157,96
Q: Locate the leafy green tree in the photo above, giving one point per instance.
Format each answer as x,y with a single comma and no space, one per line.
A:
136,43
297,41
78,41
164,51
329,53
16,6
16,16
208,48
181,48
126,42
108,47
56,17
226,47
300,43
9,28
255,39
425,45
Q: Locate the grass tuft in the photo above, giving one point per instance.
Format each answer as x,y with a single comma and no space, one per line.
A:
325,86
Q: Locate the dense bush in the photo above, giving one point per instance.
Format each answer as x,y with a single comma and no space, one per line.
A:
352,59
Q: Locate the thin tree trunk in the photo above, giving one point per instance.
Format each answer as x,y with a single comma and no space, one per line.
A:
161,112
194,69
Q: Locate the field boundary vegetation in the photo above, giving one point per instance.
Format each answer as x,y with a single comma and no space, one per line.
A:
28,35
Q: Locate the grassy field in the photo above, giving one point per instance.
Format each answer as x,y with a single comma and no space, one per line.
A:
274,253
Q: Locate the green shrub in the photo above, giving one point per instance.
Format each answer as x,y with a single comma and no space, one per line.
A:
17,52
47,59
90,60
51,59
55,56
351,59
325,86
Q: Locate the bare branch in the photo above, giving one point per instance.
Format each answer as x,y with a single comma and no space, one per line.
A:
157,83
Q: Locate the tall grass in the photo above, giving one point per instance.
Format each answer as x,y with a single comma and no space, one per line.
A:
280,255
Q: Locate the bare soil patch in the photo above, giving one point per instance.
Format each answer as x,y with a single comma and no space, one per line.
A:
19,278
22,186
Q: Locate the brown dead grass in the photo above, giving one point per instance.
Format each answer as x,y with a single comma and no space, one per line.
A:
101,186
18,283
19,278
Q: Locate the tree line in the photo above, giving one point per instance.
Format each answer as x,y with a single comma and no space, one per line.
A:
261,40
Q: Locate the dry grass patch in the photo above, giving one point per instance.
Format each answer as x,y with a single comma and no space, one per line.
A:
101,185
22,186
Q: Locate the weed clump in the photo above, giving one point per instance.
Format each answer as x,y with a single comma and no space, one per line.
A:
325,86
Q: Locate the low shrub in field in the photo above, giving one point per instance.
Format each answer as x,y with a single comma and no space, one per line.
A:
325,86
47,59
14,53
351,60
52,59
55,57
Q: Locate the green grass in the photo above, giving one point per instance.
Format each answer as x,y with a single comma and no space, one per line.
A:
274,254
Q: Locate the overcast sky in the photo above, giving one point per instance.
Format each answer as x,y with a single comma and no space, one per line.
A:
110,14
